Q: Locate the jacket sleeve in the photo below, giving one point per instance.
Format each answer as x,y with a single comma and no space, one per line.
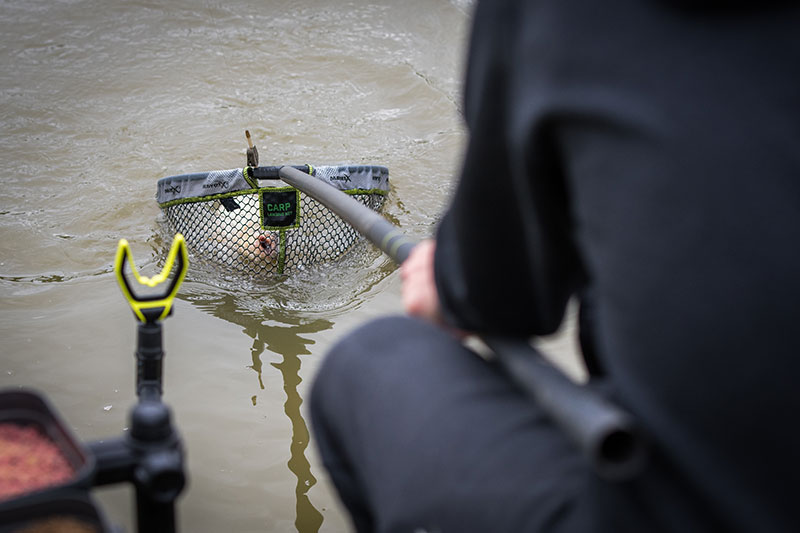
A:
505,262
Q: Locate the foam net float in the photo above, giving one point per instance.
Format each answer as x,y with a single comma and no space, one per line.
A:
250,221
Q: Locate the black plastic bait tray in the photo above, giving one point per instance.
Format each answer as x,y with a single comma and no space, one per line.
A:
73,511
35,444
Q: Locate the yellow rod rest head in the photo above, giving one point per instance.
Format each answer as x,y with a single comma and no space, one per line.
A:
177,251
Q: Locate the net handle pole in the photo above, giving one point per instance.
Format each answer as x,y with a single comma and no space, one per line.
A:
604,433
367,222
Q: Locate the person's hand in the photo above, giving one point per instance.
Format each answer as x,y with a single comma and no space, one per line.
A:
420,297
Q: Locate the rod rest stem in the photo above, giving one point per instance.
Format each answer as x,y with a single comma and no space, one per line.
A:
149,357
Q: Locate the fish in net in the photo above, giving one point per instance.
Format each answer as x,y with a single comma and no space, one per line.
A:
248,220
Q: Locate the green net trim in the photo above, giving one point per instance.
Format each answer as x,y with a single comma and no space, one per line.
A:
227,229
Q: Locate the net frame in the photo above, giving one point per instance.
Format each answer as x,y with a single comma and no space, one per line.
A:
250,221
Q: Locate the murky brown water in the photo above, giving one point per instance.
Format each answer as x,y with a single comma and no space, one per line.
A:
101,99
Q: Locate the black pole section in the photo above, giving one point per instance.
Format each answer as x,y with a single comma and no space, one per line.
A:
151,457
149,357
605,434
158,475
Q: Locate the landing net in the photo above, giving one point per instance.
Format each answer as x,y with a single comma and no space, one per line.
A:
248,220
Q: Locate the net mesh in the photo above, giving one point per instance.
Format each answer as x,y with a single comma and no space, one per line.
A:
227,229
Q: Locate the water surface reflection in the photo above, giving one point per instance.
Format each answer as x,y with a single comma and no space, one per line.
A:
284,333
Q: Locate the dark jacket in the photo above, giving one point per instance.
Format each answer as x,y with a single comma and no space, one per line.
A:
649,153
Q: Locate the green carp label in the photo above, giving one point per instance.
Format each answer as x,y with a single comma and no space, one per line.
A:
279,208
